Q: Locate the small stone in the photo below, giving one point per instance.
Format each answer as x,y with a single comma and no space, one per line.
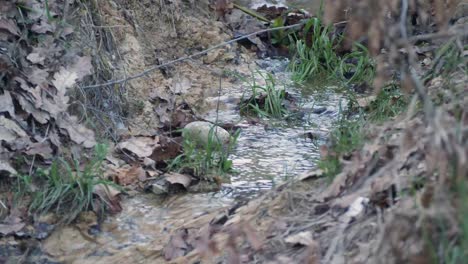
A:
199,132
160,188
319,110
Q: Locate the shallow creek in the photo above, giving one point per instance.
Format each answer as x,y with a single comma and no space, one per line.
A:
310,5
267,153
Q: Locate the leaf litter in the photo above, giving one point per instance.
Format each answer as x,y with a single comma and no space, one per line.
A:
359,196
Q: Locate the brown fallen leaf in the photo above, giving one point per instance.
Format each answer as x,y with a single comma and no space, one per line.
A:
10,131
178,245
8,229
38,76
176,178
82,67
140,146
5,166
303,238
40,116
365,101
12,223
63,80
109,195
77,132
6,104
9,25
129,175
36,58
168,149
318,173
43,27
42,149
252,236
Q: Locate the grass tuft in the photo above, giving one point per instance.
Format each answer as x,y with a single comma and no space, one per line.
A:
211,158
266,100
345,138
64,188
316,55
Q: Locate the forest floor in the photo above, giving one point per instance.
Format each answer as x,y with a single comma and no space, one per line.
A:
390,187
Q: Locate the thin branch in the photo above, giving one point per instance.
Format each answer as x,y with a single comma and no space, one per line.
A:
155,67
430,36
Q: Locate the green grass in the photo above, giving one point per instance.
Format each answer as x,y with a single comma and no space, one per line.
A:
389,103
317,56
211,158
345,138
64,188
265,100
320,56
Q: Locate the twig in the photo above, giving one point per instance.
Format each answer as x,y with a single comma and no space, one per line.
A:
419,87
438,35
403,18
251,13
155,67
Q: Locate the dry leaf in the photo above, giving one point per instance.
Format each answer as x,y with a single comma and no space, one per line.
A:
318,173
40,116
36,58
63,80
82,67
8,229
5,166
77,132
110,195
10,131
53,107
126,176
12,223
176,178
38,76
177,246
9,25
6,104
181,86
365,101
42,149
43,27
140,146
303,238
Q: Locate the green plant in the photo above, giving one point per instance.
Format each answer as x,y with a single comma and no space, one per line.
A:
388,103
356,66
213,157
64,188
345,138
267,100
316,57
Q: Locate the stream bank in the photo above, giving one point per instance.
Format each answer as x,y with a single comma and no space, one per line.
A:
146,106
383,200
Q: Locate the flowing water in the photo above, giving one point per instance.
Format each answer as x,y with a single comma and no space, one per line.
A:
312,6
272,151
267,153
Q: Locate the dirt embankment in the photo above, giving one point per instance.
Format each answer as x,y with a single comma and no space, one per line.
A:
154,32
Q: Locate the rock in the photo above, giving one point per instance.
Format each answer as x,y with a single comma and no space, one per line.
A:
204,187
199,132
319,110
160,187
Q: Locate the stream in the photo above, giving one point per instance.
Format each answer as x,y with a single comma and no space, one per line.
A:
266,154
